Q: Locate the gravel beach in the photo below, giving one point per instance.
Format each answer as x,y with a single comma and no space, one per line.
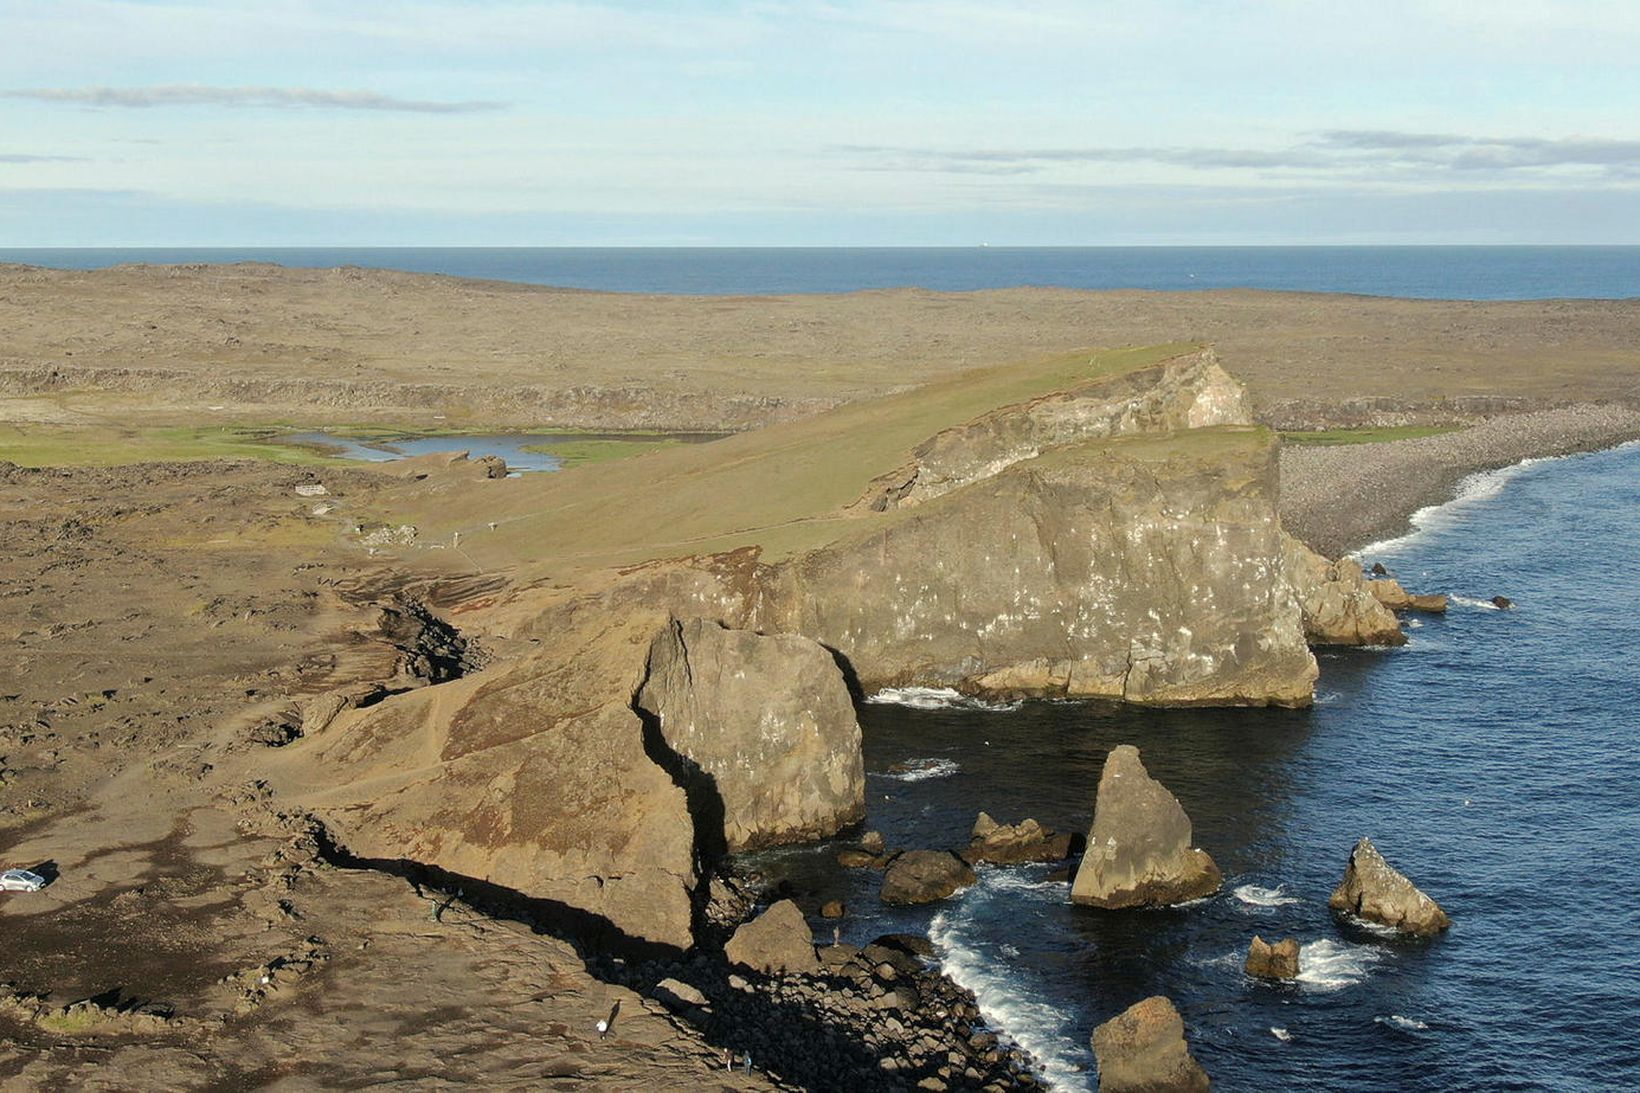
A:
1342,498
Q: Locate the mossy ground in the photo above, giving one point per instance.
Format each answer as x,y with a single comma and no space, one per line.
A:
47,445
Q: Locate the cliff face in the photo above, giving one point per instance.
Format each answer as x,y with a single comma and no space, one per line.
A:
1147,569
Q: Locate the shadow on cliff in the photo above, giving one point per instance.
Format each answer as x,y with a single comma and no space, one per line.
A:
705,805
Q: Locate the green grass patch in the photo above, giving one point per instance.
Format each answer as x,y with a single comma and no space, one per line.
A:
106,445
575,453
1332,437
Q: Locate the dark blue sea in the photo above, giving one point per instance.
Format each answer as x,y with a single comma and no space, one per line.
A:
1495,760
1468,273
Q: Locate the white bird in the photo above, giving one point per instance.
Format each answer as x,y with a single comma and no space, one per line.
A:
603,1028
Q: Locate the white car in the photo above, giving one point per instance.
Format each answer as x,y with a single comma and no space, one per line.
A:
21,880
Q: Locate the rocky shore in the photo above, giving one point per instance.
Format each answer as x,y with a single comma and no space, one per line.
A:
1343,498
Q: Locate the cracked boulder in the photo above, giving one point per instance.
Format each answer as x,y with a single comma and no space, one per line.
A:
765,723
1139,850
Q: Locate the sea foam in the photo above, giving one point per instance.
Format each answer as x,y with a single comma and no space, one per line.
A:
1254,896
1329,965
936,698
921,770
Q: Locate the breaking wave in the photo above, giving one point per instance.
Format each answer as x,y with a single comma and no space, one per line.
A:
1329,965
920,770
1405,1024
1254,896
936,698
1466,601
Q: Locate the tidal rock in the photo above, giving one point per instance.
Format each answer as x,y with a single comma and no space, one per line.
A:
855,858
1143,1050
1267,961
1338,602
873,841
1502,603
768,723
778,940
1389,592
923,876
1139,851
1011,844
833,908
1375,891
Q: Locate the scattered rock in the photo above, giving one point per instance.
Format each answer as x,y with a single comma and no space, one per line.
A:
1502,603
492,466
1378,570
677,995
923,876
1143,1050
1011,844
778,940
1139,851
873,842
833,908
768,721
1267,961
855,858
1337,602
1374,890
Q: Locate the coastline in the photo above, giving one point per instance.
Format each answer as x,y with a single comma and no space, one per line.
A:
1341,499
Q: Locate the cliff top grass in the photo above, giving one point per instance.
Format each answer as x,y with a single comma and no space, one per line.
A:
784,487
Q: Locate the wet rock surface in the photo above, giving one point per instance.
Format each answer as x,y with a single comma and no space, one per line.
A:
1015,844
1139,849
1277,961
924,876
1143,1050
1374,891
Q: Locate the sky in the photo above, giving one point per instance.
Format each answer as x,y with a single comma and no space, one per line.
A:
888,123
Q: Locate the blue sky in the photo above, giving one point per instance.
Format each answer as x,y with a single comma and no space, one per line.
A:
900,122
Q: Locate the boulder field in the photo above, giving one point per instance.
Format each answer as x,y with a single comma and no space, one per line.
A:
1101,527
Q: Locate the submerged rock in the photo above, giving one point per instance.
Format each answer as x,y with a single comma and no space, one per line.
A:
1012,844
1267,961
768,722
1375,891
778,940
1502,603
1143,1050
923,876
1139,851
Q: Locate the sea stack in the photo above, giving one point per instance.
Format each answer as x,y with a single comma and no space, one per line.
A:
1267,961
1143,1050
1139,852
1375,891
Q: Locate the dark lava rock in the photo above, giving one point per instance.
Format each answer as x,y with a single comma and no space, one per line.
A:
923,876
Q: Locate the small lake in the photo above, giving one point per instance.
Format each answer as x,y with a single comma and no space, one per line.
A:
512,447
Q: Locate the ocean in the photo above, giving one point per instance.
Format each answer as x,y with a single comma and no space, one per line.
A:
1470,273
1494,760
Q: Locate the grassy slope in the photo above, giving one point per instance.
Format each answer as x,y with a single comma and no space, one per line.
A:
782,487
48,445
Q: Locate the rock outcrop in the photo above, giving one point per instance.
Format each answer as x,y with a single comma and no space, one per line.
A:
768,723
1143,1050
1012,844
1388,591
1267,961
923,876
1374,891
778,940
1338,602
1139,851
1146,569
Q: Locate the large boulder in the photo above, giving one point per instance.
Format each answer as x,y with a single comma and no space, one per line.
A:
1139,851
1374,891
1012,844
1267,961
768,724
778,940
1143,1050
1339,604
923,876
